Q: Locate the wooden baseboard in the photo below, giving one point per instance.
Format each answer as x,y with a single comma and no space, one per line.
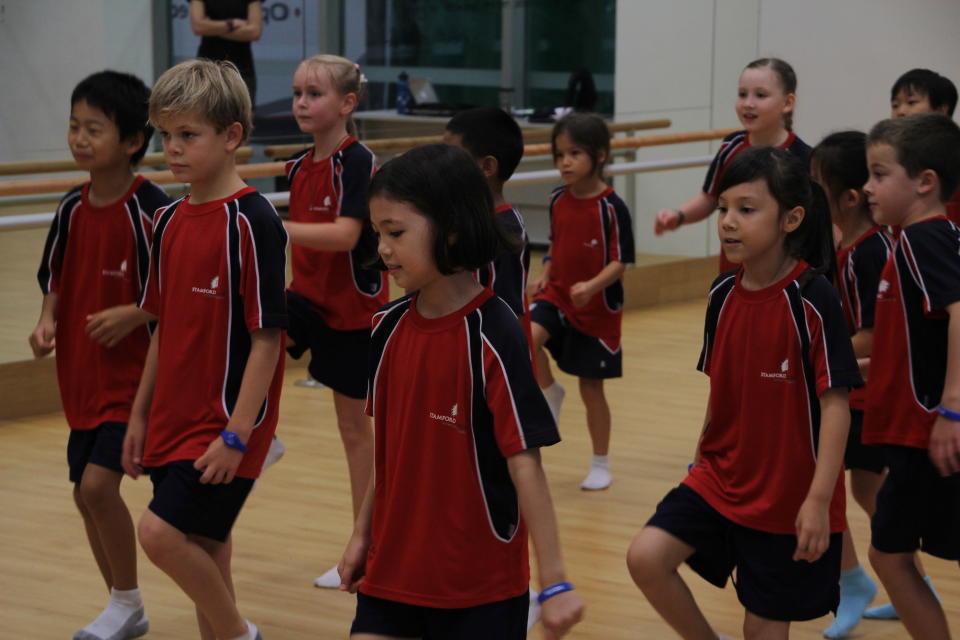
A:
665,282
28,388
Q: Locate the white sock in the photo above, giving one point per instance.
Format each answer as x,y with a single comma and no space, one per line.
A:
599,476
533,611
252,632
123,617
554,395
329,580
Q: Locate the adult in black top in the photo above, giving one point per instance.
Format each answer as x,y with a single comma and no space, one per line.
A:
227,28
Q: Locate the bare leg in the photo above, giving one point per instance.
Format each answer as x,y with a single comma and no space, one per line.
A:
918,607
540,337
653,559
100,492
220,553
356,432
195,571
598,414
757,628
93,538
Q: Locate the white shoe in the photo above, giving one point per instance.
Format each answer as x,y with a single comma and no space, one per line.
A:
554,395
598,479
533,613
329,580
274,454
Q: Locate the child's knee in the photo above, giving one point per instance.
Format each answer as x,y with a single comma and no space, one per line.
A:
885,563
646,560
757,628
591,388
97,494
539,335
158,539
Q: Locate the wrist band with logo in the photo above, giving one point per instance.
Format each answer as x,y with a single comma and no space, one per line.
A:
948,414
549,592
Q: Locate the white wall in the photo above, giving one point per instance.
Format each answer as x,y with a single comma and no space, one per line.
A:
47,46
681,59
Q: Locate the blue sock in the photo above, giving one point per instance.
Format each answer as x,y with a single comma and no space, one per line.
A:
887,612
856,592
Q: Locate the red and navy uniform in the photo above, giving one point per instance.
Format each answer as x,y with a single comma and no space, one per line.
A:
336,284
217,274
908,362
587,234
953,207
507,274
770,355
452,398
733,144
96,258
858,276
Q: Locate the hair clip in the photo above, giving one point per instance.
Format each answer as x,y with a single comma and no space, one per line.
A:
363,79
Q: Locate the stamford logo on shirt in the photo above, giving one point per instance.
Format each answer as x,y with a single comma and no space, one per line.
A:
592,244
212,291
450,419
883,289
325,207
119,273
784,373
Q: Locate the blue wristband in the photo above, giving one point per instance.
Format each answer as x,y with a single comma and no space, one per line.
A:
547,258
549,592
946,413
233,441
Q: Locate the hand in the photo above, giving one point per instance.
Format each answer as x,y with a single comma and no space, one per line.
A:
813,530
945,446
43,339
219,463
559,613
667,220
864,364
537,286
580,294
353,564
132,454
110,326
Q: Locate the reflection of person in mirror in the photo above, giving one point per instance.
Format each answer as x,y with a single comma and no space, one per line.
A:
227,28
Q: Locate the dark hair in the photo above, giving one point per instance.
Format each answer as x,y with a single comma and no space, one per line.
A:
123,98
588,131
445,184
490,131
924,141
790,185
940,92
787,77
841,159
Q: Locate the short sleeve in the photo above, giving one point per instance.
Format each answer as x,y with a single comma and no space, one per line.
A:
830,351
621,247
933,251
719,291
728,149
521,417
359,165
48,275
263,270
863,278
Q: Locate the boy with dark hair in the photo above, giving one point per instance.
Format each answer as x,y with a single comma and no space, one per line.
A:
494,140
211,382
93,270
913,399
922,91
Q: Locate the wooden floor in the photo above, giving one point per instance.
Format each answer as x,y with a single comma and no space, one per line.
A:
298,518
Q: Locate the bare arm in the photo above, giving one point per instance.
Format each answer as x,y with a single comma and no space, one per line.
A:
697,208
340,235
706,425
541,283
813,519
945,437
581,292
562,611
132,455
862,342
43,338
219,462
110,326
237,29
352,566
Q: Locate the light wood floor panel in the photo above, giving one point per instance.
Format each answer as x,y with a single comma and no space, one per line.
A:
298,518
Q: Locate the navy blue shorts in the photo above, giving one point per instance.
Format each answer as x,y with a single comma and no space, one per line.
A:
102,446
338,359
503,620
207,510
769,582
917,508
575,352
858,455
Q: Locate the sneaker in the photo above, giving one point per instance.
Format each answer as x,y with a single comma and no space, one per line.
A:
329,580
598,479
554,395
274,454
135,626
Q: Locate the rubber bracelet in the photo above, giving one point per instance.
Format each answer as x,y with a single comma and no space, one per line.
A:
946,413
233,441
549,592
231,27
681,217
547,258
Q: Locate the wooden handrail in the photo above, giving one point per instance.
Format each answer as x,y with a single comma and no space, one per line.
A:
268,169
54,166
402,144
